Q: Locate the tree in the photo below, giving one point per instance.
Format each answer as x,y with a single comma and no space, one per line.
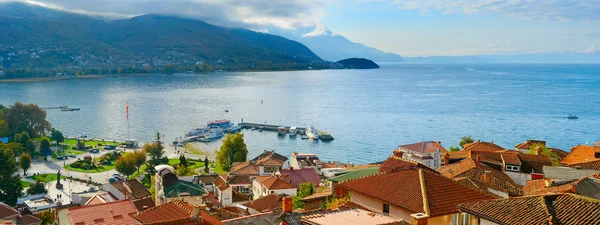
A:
4,130
57,136
184,171
182,160
555,158
465,140
44,146
25,141
155,151
140,159
29,118
47,217
25,162
205,68
233,150
126,164
306,189
454,149
206,169
80,144
37,188
10,187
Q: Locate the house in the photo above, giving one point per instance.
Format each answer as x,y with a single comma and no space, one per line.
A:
413,194
305,160
535,210
269,165
587,186
130,189
268,203
118,212
35,204
271,154
583,157
169,187
526,146
482,146
298,176
265,185
244,168
226,194
483,176
101,198
518,166
7,213
349,217
318,199
428,153
175,213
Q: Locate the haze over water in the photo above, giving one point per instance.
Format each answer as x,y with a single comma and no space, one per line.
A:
369,112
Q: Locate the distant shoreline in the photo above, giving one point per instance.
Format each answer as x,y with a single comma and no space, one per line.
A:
47,79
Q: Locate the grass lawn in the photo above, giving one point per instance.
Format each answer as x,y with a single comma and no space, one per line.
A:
195,150
25,184
98,169
46,177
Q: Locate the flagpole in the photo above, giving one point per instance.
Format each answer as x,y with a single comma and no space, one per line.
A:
127,111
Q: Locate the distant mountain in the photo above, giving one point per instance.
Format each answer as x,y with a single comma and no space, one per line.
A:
566,57
358,63
335,47
36,37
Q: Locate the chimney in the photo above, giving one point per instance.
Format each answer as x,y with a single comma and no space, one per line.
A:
478,158
439,142
446,159
196,215
478,141
487,176
419,219
538,150
398,153
286,204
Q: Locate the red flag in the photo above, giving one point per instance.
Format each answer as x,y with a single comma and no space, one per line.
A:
127,110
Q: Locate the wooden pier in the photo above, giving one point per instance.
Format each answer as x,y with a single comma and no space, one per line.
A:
267,127
62,108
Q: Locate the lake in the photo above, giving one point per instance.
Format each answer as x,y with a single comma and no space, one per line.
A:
369,112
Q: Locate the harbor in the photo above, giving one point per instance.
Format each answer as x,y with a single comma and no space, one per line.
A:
62,108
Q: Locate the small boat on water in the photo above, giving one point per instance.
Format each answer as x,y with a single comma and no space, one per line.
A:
293,131
260,129
227,110
304,136
572,117
281,131
312,133
324,136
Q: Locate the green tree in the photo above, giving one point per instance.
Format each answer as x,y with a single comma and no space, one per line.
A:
555,158
47,217
57,136
29,117
140,159
233,150
10,187
184,171
126,164
4,130
44,144
80,144
37,188
454,149
25,162
297,202
465,140
155,151
306,189
205,68
182,160
206,169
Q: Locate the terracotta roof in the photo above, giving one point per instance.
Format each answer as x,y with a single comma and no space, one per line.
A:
319,195
28,220
458,154
238,196
244,168
424,147
207,179
267,203
538,210
298,176
6,210
267,218
269,161
510,158
528,143
534,163
590,165
409,188
271,154
476,171
394,164
173,213
221,183
349,217
133,189
495,157
482,146
240,179
118,212
275,182
142,204
581,154
537,187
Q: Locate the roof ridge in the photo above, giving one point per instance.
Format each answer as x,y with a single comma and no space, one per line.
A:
424,193
361,177
549,207
406,160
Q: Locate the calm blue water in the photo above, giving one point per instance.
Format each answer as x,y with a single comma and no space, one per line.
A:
369,112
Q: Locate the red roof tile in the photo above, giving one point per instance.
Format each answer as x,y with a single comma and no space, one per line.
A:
424,147
538,210
510,158
394,164
534,163
476,171
404,189
581,154
275,182
174,213
247,168
118,212
267,203
6,210
221,183
529,143
269,161
298,176
537,187
482,146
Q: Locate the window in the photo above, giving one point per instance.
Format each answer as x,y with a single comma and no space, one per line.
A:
271,169
386,209
466,219
512,168
454,219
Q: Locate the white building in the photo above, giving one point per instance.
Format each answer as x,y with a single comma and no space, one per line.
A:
304,160
266,185
428,153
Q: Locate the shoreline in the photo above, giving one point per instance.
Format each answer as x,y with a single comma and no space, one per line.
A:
47,79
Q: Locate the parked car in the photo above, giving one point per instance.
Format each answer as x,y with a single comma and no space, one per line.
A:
72,155
61,157
117,176
95,150
112,179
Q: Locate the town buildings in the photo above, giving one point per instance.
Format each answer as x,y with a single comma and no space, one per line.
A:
428,153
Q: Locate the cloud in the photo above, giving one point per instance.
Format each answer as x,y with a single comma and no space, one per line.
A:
538,10
319,30
592,49
285,14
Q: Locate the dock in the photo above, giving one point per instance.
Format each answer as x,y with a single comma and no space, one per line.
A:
267,127
62,108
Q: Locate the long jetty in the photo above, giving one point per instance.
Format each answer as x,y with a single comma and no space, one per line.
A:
268,127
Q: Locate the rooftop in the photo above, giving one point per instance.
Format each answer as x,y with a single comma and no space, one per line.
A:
7,211
248,168
133,189
274,182
298,176
356,173
417,190
469,168
180,187
537,210
319,195
348,217
174,213
272,154
395,163
581,154
482,146
118,212
267,203
424,147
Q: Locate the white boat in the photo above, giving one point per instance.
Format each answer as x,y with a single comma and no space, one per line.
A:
281,131
215,134
312,133
293,131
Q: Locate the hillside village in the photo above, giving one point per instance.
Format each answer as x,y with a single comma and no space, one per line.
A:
419,183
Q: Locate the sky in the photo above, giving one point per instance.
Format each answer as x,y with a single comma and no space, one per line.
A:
405,27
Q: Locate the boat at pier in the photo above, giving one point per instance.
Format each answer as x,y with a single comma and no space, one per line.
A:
325,136
293,131
572,117
281,131
223,124
312,133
